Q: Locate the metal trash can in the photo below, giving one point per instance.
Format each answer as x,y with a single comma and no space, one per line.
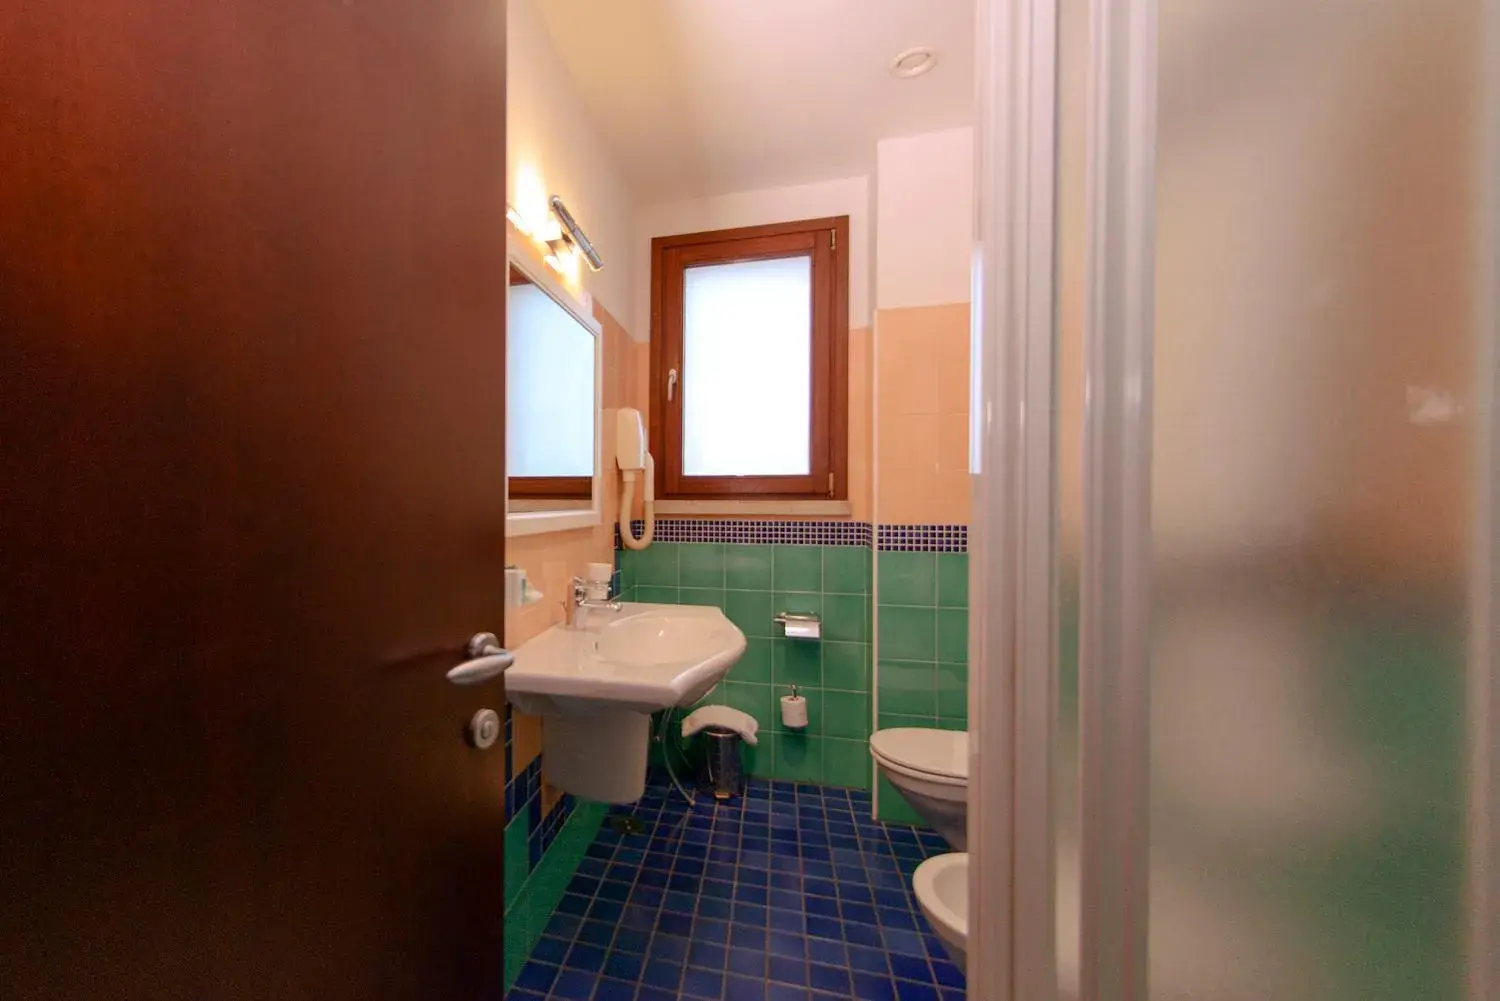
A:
722,773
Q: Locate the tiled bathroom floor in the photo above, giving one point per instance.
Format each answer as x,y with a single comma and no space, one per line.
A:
790,894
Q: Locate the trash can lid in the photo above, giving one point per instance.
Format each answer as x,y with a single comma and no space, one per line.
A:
721,718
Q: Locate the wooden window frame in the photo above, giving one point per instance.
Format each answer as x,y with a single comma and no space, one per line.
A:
552,487
826,241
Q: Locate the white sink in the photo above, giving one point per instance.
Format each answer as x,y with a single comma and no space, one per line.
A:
597,685
641,659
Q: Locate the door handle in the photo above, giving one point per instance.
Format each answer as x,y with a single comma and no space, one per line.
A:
486,659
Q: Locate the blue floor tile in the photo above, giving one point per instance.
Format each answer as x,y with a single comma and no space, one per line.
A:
550,950
574,985
614,990
624,966
790,894
703,983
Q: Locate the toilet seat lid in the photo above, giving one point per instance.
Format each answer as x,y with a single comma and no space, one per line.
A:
942,753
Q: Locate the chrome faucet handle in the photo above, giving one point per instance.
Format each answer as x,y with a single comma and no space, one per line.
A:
581,597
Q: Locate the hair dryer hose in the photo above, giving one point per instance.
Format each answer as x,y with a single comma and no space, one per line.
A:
627,498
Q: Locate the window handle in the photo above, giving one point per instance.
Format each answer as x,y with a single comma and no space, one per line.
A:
671,383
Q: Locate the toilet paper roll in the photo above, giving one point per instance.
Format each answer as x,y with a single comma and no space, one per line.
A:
794,711
597,572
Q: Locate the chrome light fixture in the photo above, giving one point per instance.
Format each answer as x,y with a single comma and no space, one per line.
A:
575,235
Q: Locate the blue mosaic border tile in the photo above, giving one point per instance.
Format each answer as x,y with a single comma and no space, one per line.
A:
904,538
923,538
523,795
541,837
758,531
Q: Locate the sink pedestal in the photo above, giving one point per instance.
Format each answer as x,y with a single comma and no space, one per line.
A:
600,757
596,687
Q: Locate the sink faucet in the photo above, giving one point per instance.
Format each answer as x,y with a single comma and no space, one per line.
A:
581,602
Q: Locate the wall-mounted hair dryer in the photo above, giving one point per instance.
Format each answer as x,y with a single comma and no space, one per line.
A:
630,452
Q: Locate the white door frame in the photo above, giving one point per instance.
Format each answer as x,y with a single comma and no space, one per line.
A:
1013,623
1114,654
1484,648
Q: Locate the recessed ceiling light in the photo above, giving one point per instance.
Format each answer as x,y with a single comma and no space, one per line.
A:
913,62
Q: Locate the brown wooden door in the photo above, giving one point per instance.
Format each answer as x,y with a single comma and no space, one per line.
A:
252,288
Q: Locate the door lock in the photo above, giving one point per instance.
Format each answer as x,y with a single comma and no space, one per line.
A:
484,729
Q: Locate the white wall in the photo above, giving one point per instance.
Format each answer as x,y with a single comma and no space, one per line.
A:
847,196
924,219
548,131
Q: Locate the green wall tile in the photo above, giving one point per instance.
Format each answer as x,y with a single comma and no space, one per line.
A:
846,763
891,808
797,568
846,666
844,617
517,862
749,697
752,584
700,564
656,593
953,635
953,580
908,633
952,690
908,687
747,568
755,663
888,720
908,578
539,895
799,757
846,714
656,564
701,596
796,662
846,570
952,723
751,611
797,601
760,760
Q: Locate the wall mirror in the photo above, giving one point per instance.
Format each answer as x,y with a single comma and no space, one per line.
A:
553,379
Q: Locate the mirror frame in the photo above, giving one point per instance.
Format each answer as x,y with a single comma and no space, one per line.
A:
536,522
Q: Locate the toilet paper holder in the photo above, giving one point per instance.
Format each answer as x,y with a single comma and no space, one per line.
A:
800,625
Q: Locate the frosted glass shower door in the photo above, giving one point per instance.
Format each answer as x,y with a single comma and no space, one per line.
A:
1315,462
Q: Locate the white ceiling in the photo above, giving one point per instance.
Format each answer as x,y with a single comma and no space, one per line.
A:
705,97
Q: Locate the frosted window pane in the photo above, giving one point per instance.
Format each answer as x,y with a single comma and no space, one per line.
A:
747,368
550,388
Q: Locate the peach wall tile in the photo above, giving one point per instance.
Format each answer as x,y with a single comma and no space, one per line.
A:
921,415
906,459
526,741
953,443
616,360
907,366
861,423
950,338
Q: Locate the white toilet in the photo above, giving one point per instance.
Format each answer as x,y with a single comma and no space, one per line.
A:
942,888
930,769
